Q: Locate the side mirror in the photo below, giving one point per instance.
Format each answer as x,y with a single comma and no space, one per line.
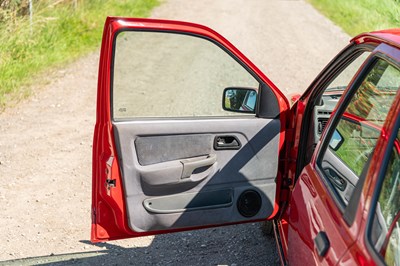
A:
241,100
336,140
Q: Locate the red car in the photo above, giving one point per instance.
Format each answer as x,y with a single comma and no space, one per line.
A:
168,156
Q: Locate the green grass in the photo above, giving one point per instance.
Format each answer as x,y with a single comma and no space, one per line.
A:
60,34
357,16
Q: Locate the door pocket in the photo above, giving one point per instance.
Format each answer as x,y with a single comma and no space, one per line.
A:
190,201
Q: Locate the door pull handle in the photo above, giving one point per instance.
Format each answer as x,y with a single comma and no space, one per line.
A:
189,165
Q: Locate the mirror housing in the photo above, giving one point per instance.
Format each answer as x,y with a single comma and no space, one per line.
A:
240,100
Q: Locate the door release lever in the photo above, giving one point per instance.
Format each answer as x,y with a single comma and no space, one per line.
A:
226,143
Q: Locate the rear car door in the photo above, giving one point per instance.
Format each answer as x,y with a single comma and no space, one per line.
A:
189,133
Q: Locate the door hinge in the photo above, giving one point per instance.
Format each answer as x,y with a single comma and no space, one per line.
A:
94,221
287,182
111,183
289,134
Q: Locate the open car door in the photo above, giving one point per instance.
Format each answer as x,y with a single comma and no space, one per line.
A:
189,133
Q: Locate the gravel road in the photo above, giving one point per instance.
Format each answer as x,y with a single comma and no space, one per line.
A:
46,140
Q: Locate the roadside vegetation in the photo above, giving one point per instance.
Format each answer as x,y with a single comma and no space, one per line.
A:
357,16
50,34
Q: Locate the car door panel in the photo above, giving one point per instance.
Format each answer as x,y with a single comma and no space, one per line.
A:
309,212
159,194
181,161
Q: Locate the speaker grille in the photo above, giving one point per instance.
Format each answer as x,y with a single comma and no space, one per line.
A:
249,203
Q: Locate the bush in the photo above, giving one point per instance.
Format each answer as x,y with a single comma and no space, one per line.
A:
60,31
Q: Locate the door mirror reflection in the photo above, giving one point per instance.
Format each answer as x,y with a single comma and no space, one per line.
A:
241,100
336,140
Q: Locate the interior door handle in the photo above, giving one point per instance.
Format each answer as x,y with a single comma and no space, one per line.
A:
337,181
322,244
189,165
226,143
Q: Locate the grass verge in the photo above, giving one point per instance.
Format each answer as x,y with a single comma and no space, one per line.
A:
60,33
357,16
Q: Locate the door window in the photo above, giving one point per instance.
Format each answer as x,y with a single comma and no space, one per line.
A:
172,75
357,129
331,95
328,99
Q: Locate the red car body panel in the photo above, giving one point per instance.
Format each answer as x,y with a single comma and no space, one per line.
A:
321,215
306,206
391,37
108,206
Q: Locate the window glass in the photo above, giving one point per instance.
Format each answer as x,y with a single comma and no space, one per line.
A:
343,79
328,100
331,95
358,140
172,75
386,226
358,129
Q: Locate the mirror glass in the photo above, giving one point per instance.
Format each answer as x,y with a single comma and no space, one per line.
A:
242,100
336,140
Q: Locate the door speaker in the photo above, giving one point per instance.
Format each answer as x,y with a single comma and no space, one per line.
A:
249,203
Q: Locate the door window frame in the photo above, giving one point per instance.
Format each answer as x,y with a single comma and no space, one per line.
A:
380,173
347,56
378,187
349,211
